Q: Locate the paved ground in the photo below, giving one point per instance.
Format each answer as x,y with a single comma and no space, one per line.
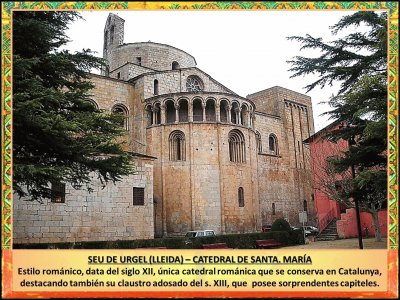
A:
369,243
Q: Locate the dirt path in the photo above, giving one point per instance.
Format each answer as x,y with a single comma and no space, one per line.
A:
369,243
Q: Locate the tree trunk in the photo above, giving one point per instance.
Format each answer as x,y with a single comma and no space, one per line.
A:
378,234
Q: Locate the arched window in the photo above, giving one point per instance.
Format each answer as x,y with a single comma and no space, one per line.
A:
259,142
210,110
177,149
149,111
170,111
157,115
273,209
236,146
243,115
155,87
197,110
223,111
305,205
273,144
194,84
120,109
175,65
183,110
235,113
241,197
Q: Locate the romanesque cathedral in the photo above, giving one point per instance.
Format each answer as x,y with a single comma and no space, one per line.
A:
206,158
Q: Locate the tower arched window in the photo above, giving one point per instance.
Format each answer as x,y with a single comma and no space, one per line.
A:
258,142
177,147
273,144
305,205
122,110
155,87
273,209
175,65
241,197
236,146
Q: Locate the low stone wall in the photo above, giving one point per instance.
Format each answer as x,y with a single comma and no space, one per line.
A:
105,214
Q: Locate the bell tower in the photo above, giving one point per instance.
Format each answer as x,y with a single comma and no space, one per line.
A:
113,37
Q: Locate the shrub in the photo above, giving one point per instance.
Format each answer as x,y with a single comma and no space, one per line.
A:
281,225
296,237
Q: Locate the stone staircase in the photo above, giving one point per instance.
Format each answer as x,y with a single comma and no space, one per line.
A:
329,233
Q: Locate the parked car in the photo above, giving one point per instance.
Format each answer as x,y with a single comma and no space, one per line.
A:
266,228
311,230
199,233
306,231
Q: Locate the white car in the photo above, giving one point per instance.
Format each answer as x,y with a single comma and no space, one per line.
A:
199,233
311,230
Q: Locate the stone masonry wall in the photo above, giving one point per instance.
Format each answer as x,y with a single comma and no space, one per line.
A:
105,214
284,180
152,55
202,191
109,92
175,81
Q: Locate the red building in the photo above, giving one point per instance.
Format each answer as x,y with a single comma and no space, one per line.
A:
324,181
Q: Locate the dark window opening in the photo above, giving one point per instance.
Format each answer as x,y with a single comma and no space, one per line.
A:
119,75
157,114
273,209
175,65
183,111
155,87
305,205
210,111
139,61
58,192
273,144
197,110
178,149
233,115
170,112
223,112
241,197
138,196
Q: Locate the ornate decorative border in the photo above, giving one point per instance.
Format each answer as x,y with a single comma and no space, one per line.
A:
6,103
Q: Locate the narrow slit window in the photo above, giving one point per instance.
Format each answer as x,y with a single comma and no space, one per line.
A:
155,87
241,197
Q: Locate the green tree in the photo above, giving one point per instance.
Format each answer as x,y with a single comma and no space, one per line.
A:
359,62
58,134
